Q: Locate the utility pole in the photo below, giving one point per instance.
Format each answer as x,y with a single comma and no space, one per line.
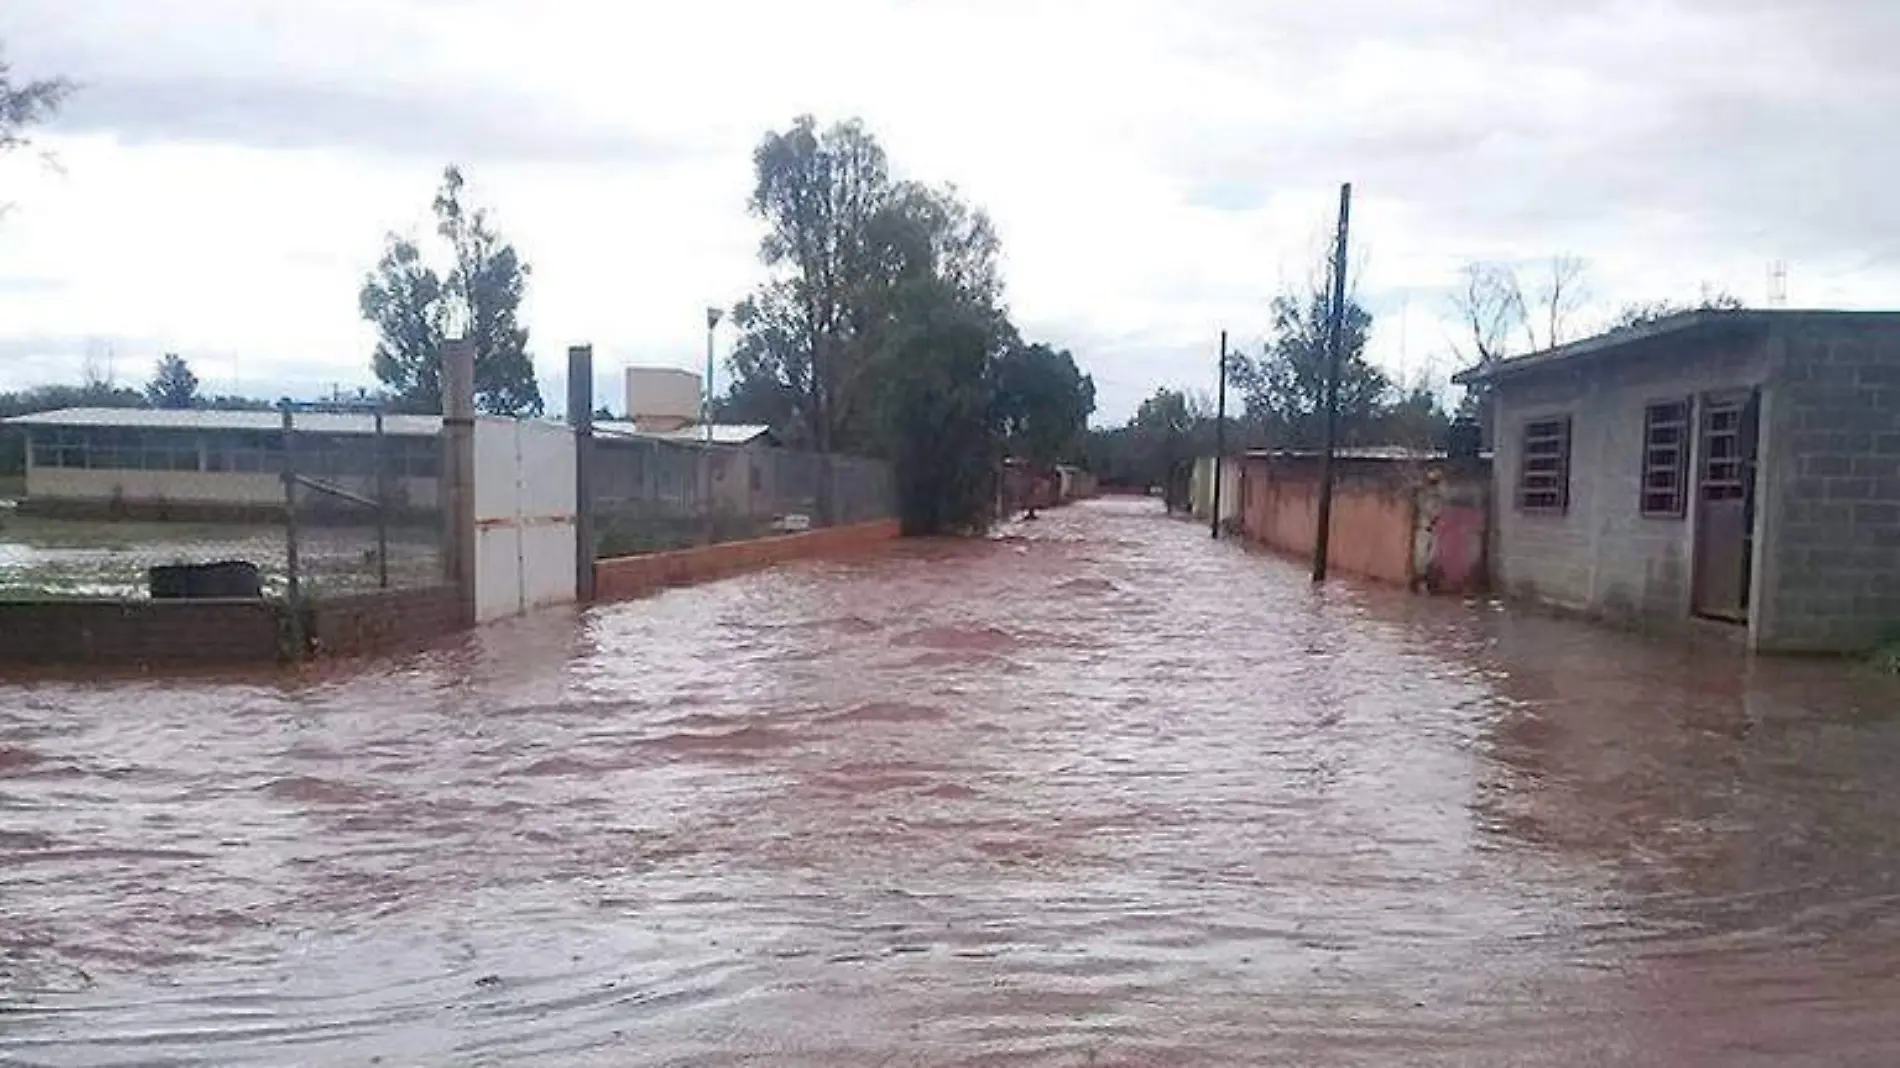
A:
1220,434
1322,537
706,400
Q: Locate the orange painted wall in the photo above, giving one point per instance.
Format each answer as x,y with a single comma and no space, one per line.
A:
626,577
1371,528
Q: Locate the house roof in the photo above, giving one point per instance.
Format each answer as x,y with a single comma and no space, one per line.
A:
1393,453
208,419
332,423
1681,327
722,433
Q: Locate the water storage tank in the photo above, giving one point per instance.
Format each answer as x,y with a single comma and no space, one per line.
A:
662,398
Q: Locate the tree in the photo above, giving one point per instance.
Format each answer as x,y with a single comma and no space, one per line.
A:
1563,293
1043,403
1285,388
415,310
172,385
938,416
1162,429
820,195
1491,306
880,326
403,299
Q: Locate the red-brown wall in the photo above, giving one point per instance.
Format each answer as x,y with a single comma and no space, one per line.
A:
1372,523
627,577
1410,523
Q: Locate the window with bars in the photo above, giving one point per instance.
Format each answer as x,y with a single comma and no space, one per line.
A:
1543,476
1666,460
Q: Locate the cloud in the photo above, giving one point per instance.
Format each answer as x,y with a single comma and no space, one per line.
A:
471,126
1157,169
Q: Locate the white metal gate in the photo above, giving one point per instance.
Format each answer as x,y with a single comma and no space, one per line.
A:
524,516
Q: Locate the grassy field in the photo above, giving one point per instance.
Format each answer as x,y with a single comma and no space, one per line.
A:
42,557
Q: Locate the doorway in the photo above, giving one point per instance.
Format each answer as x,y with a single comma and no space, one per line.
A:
1725,506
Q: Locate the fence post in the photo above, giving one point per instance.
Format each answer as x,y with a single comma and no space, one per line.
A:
381,460
580,416
458,471
293,579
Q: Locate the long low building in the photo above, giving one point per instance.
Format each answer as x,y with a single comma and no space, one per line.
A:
145,461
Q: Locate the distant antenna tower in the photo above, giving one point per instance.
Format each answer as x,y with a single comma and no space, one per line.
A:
1778,284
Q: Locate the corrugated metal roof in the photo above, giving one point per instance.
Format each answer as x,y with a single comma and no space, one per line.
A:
338,423
205,419
722,433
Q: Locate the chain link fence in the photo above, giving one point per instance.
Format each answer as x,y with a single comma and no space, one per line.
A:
651,494
364,495
140,504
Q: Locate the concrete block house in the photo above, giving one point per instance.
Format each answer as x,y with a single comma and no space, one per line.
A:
1737,467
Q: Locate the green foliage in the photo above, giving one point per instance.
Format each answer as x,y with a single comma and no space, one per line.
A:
1285,388
1283,392
415,310
881,327
937,409
172,385
403,299
1043,403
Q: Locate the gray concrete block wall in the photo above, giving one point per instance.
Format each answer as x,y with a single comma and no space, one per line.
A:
1830,561
1604,555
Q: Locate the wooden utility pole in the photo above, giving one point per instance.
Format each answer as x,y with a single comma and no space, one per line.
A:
1322,537
1220,434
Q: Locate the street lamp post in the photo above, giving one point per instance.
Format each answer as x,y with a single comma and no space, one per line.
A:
706,402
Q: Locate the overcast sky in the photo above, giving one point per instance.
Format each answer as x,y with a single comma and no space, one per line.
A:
1157,170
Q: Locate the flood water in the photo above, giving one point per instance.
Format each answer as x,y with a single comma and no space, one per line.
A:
1097,791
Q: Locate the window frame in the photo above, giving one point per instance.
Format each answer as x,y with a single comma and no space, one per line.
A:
1684,425
1564,434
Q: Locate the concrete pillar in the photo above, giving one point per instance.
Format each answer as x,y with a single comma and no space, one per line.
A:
458,471
580,416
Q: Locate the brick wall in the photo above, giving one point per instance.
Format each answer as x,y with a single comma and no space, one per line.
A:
1829,569
139,632
627,577
384,621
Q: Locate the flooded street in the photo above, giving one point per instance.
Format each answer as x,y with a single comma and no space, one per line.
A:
1096,791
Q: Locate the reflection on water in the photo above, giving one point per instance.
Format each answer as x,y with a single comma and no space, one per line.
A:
1094,791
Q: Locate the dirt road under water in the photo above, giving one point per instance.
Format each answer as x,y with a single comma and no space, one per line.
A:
1099,791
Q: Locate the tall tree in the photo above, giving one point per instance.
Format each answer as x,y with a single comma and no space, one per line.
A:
877,289
486,285
414,309
1285,388
1043,402
172,385
403,299
820,194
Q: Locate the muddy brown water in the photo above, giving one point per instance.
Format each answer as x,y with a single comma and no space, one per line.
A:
1100,791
